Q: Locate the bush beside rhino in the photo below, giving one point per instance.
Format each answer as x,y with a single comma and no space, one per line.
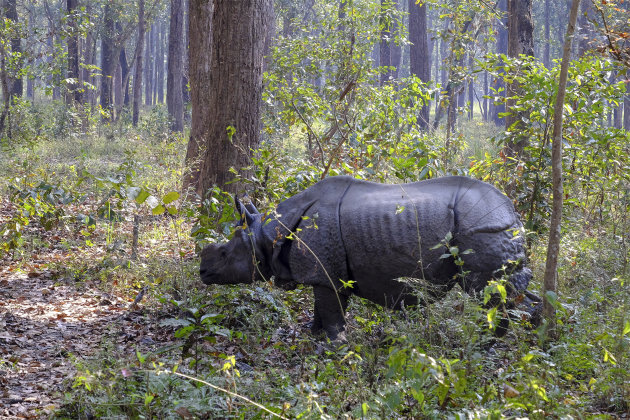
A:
343,230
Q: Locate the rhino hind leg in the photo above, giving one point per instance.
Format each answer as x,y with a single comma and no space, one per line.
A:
329,313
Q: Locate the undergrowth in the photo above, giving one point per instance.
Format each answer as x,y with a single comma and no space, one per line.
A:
440,361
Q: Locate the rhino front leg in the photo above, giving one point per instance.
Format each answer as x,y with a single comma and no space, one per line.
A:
330,309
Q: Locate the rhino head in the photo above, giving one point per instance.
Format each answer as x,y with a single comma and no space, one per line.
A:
236,260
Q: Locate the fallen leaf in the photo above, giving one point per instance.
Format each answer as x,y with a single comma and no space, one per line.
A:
510,392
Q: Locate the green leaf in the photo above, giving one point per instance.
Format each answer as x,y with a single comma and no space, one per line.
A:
170,197
159,209
626,328
552,298
142,196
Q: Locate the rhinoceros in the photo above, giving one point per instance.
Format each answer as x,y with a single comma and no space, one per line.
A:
345,236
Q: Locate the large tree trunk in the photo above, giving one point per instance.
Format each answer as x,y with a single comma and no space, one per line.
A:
226,79
502,48
107,63
626,110
74,89
551,267
137,77
420,57
174,94
520,41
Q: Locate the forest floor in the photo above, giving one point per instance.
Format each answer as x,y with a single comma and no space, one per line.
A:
50,321
44,326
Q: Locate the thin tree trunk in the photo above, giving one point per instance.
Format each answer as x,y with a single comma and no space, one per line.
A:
485,96
154,70
148,64
420,57
585,28
471,87
118,90
551,267
502,48
186,66
107,63
626,111
174,94
395,49
74,96
15,82
137,77
546,53
124,67
385,51
160,61
89,48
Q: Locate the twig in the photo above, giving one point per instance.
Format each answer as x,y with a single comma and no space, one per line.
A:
218,388
317,140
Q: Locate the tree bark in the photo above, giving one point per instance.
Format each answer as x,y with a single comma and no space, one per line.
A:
137,77
15,82
485,96
74,89
420,57
186,66
89,56
502,48
471,87
547,49
626,110
551,267
107,63
585,27
395,51
226,80
520,42
124,67
148,76
174,93
385,51
160,61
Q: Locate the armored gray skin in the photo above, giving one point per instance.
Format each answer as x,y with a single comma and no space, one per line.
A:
373,234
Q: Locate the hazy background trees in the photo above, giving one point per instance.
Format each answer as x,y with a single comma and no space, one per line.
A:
126,57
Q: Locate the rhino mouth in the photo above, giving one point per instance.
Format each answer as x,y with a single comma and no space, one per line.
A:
208,277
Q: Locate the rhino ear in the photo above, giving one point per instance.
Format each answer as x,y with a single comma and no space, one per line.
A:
246,216
250,206
289,214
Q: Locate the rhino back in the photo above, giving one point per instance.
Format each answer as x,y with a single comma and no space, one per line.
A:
384,226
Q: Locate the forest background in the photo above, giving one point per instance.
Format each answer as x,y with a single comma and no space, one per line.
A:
126,127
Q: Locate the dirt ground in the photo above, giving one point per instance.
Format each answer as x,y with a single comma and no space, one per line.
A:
47,323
